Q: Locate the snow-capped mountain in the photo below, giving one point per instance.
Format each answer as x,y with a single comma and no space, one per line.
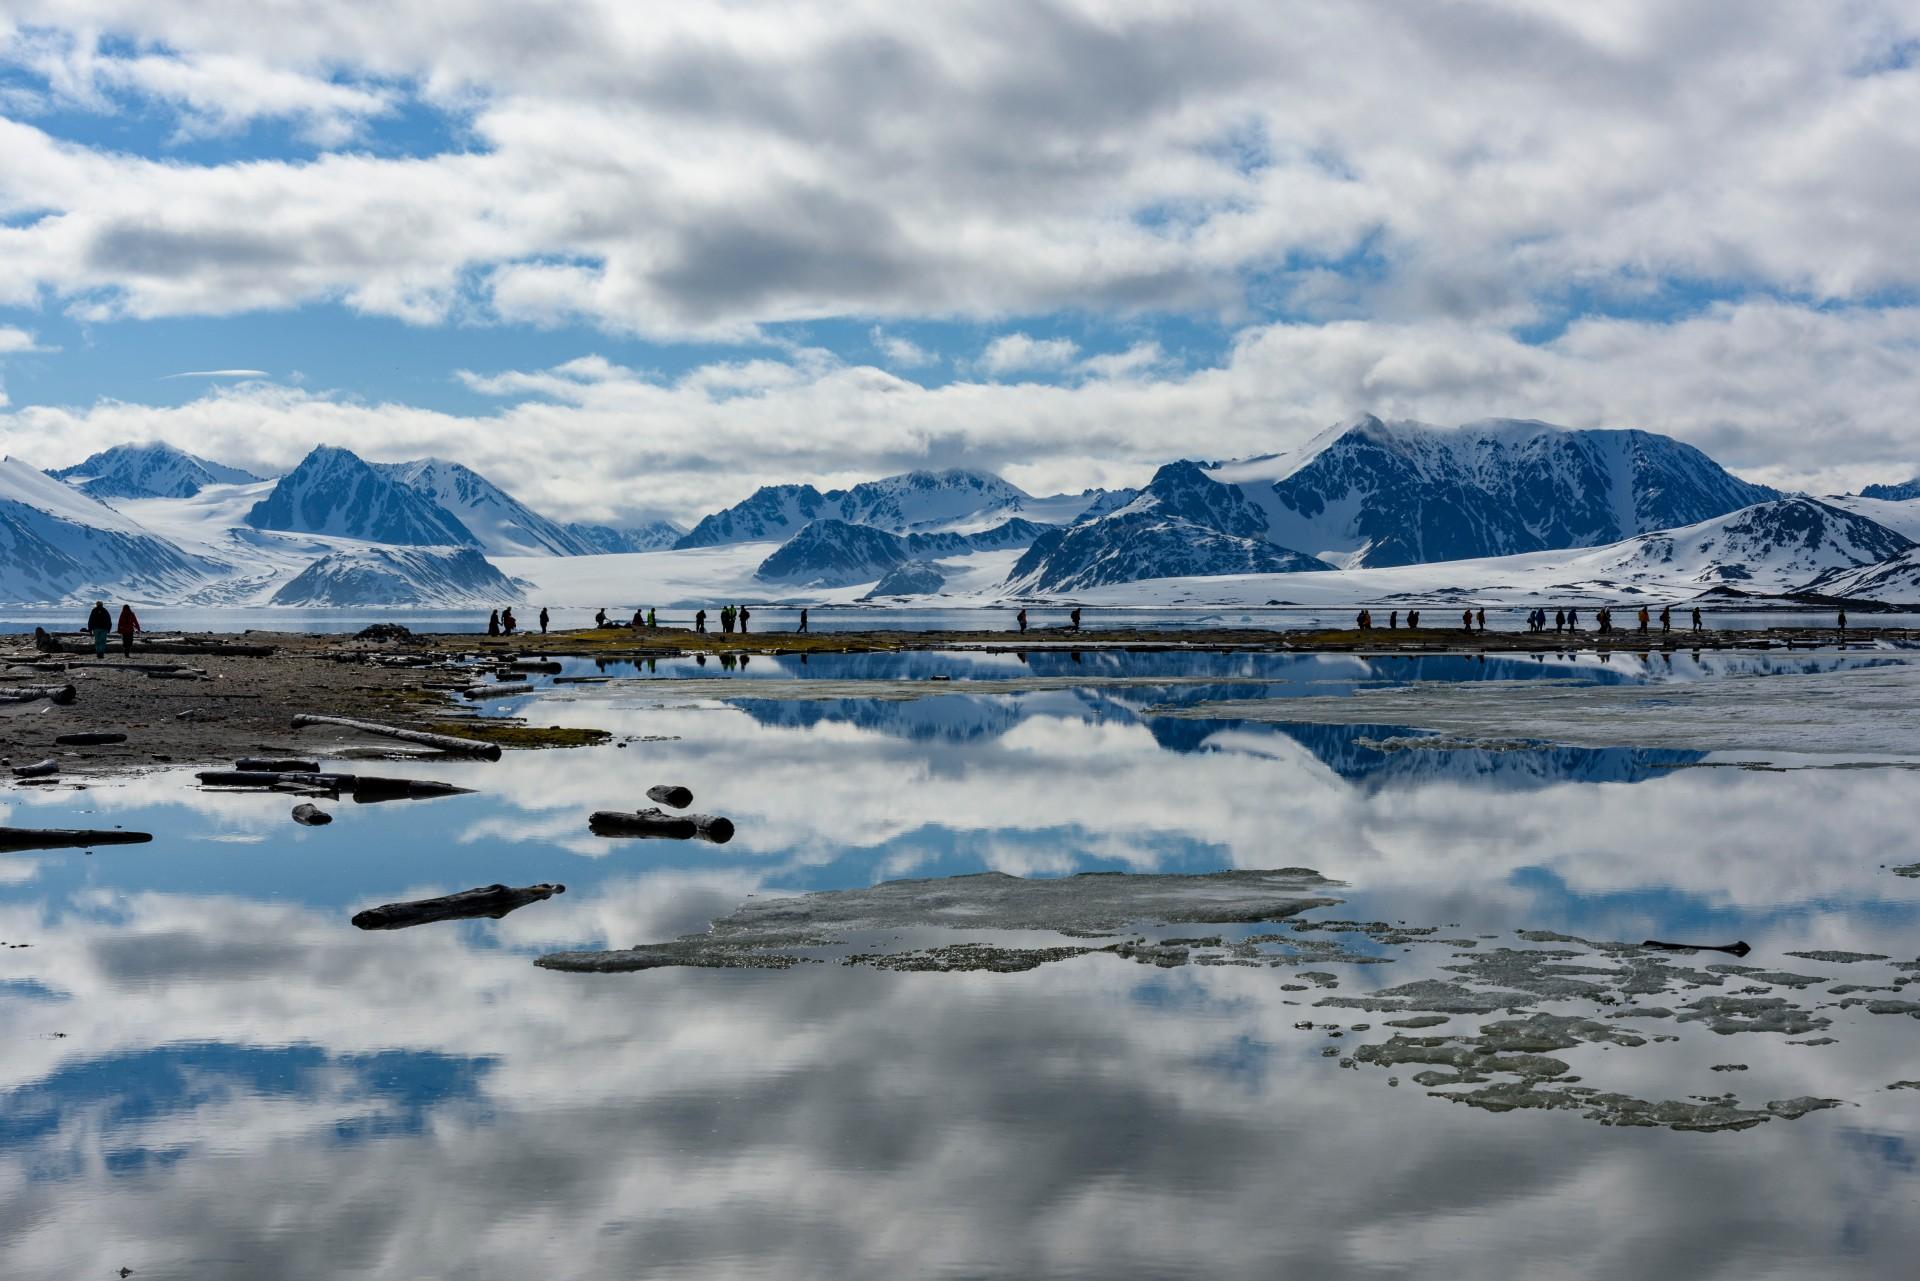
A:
400,576
1374,493
909,578
1901,492
833,553
1901,515
333,491
1770,547
58,544
652,536
836,553
951,501
501,524
1145,542
774,512
153,470
1895,581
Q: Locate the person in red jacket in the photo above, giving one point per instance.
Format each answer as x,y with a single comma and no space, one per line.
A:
129,624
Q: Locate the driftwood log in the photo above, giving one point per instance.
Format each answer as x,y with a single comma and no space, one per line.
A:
505,689
99,738
537,665
65,838
1732,949
39,769
363,787
61,694
660,825
311,816
488,900
671,794
277,765
444,742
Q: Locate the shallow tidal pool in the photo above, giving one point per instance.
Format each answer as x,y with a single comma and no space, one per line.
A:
1438,1049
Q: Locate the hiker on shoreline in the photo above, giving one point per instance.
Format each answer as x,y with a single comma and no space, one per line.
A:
1483,620
726,620
100,623
1413,620
700,621
543,620
1698,625
1645,618
1360,621
1466,620
1021,618
493,623
653,619
803,622
130,623
743,616
1074,618
600,618
507,621
1666,619
1843,622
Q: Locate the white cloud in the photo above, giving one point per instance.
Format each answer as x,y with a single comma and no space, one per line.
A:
901,352
15,341
1800,396
721,166
1021,353
219,373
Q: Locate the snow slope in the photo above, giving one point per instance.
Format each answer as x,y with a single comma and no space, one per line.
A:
154,470
58,544
705,577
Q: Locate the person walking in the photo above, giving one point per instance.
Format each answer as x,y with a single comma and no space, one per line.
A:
1842,620
543,620
1698,623
130,623
1413,620
100,623
700,621
653,619
1360,621
507,620
1645,618
1573,620
1021,619
1666,620
1559,620
726,620
1483,620
493,623
1466,619
744,615
803,622
1074,618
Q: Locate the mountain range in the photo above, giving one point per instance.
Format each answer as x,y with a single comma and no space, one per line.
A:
1369,510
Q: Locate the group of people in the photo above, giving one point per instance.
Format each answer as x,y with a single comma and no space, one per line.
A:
1365,620
1563,620
1073,619
501,622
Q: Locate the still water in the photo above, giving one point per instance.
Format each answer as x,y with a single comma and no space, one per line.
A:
212,1074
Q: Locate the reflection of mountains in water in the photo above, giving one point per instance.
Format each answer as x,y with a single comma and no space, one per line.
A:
1345,749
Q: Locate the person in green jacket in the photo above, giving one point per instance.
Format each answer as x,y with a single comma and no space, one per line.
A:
100,623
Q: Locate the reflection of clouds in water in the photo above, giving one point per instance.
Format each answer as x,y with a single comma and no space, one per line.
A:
1090,1118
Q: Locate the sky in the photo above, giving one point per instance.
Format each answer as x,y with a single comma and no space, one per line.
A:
634,261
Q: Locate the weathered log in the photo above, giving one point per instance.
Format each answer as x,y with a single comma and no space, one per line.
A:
488,900
61,694
91,738
311,816
39,769
177,674
505,689
65,838
276,765
659,824
1732,949
537,665
671,794
363,787
444,742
